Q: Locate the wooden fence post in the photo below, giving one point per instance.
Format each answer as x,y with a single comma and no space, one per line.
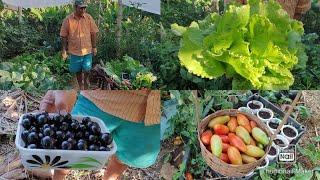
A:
119,28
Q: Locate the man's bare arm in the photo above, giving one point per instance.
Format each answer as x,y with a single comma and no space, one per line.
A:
64,48
94,40
64,43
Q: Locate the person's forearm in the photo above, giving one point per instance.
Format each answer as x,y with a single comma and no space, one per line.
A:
94,40
65,99
64,43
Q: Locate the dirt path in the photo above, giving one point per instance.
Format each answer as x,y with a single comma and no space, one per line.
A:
312,124
312,99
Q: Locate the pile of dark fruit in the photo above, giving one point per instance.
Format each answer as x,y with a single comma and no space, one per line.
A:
42,131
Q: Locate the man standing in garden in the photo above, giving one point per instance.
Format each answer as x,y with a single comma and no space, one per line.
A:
79,35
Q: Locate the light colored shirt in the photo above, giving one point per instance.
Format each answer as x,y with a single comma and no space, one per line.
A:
78,33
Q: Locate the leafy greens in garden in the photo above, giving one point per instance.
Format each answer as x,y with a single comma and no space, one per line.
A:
257,44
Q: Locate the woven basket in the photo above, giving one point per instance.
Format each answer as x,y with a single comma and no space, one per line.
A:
220,166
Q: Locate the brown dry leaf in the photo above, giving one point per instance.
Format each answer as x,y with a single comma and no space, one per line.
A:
8,101
14,174
167,171
10,166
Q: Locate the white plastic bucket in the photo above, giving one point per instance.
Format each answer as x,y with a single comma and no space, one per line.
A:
256,103
274,120
265,110
64,159
245,109
289,138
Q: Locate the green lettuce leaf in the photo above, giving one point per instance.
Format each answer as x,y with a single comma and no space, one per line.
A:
257,44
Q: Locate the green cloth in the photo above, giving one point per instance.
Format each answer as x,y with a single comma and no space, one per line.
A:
138,145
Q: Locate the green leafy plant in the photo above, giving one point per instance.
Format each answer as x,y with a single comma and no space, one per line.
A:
311,151
304,112
184,124
144,80
310,78
311,19
34,72
17,39
140,76
255,44
183,11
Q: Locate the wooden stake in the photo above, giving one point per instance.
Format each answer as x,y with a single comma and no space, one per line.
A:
215,5
20,14
197,108
119,28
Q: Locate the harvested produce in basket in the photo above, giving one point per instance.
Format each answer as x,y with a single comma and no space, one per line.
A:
225,147
259,145
254,151
260,136
224,157
206,136
242,120
42,131
220,129
232,124
253,124
248,159
252,141
237,142
216,145
232,142
234,156
224,138
248,127
243,134
218,120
